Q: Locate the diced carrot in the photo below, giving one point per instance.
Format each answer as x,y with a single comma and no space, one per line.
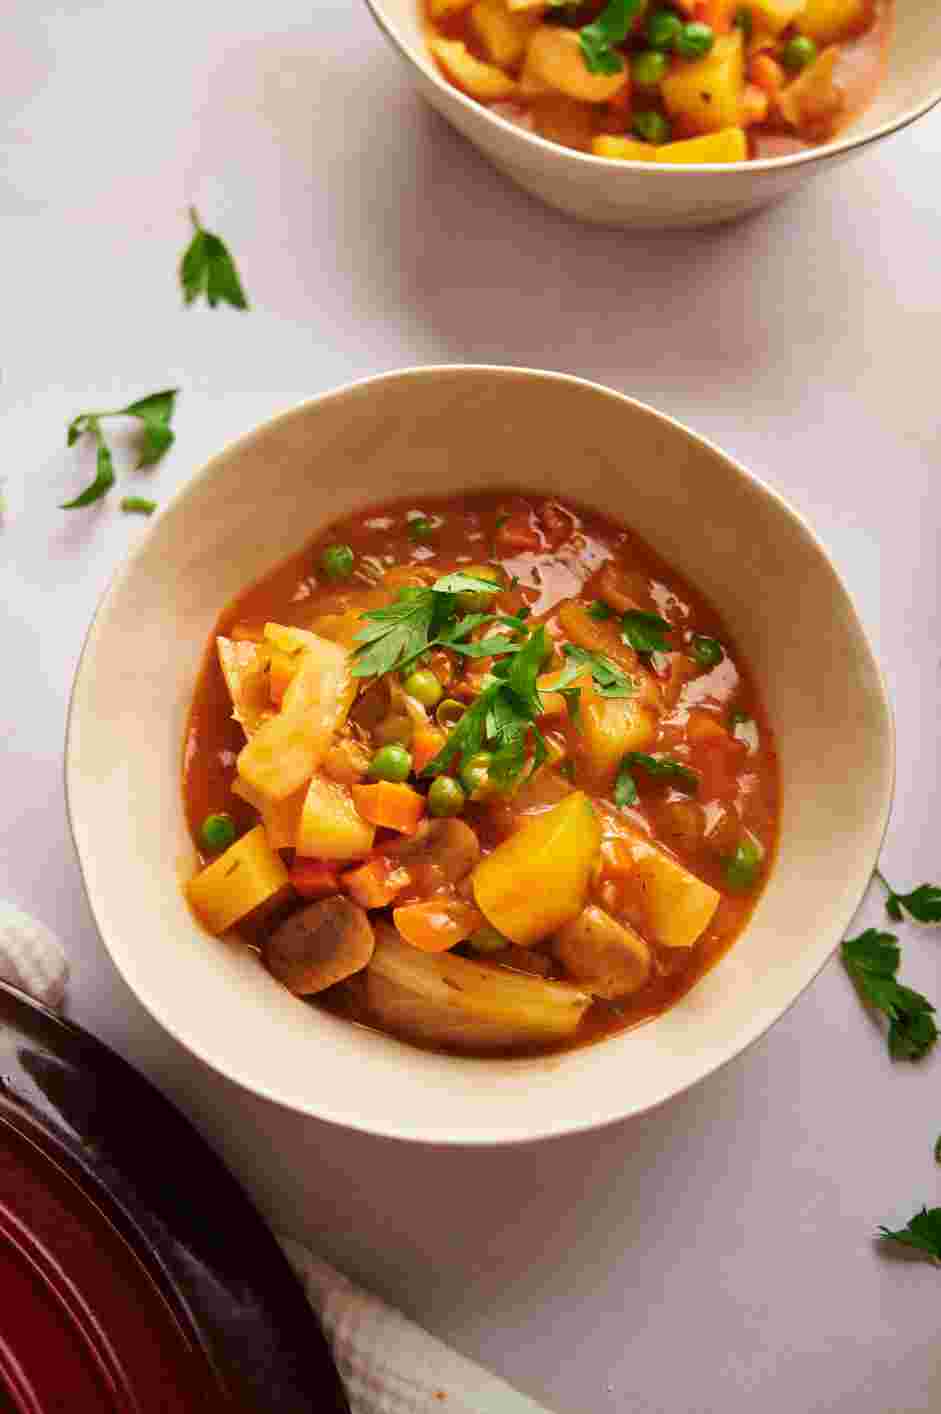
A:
436,924
314,878
766,73
282,669
518,534
755,105
376,883
426,743
387,803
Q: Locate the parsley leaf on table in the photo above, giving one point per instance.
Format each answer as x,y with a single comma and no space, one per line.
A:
154,412
645,632
207,268
923,903
663,767
610,28
872,960
922,1232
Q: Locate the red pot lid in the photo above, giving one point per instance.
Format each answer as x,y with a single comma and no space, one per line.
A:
135,1275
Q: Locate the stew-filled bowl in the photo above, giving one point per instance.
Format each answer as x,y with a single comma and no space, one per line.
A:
738,107
523,864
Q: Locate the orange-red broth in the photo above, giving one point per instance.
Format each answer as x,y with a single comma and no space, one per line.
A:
553,552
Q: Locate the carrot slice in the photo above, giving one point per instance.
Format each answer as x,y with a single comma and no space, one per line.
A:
314,878
376,883
387,803
437,924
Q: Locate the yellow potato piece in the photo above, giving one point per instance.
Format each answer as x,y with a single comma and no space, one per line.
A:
624,149
330,825
706,95
729,145
555,56
607,956
674,906
773,16
502,34
480,80
287,749
828,20
248,874
537,880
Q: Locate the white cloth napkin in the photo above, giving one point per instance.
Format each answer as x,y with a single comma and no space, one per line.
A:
388,1364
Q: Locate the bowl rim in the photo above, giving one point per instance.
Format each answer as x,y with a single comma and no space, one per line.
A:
812,155
519,1134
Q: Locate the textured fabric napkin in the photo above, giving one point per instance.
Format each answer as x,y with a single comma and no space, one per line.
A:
388,1364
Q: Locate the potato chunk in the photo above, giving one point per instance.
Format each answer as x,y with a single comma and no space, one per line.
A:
555,57
247,875
728,145
609,957
330,825
287,749
502,33
828,20
480,80
706,96
445,1000
537,880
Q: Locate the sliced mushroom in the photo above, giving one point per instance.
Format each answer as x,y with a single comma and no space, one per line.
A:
320,945
611,960
440,852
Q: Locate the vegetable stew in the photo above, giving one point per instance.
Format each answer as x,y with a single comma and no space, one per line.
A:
483,773
690,82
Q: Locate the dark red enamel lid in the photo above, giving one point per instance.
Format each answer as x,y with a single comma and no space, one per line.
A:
135,1275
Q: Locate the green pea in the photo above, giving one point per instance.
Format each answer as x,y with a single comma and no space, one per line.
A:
487,939
648,67
707,651
449,713
743,867
651,126
695,40
421,529
798,53
475,774
445,797
663,29
424,687
217,832
391,763
744,21
337,562
477,601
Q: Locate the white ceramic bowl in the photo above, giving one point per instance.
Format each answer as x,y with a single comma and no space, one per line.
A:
448,430
654,194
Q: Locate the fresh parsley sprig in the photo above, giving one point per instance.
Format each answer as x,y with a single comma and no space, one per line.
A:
922,1233
207,268
872,961
612,27
154,413
923,903
661,767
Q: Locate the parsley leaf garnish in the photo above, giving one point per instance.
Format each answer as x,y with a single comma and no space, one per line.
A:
611,27
662,767
609,679
923,903
154,413
645,632
208,269
872,960
922,1232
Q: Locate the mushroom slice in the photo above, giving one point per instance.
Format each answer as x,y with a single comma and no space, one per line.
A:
320,945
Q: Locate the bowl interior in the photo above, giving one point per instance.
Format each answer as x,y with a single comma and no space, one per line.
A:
912,83
448,430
